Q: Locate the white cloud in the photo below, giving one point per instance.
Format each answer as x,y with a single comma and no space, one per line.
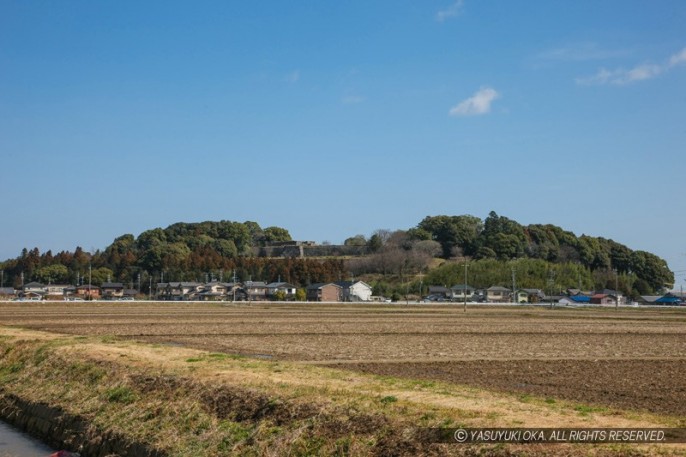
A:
451,11
678,58
602,77
640,73
293,76
621,76
479,103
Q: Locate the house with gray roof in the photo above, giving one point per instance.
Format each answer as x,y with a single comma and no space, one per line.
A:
355,291
287,289
462,292
497,294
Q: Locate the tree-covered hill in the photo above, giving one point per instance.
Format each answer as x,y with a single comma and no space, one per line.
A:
218,250
503,239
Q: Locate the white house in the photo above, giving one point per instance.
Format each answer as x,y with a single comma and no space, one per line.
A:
287,289
355,291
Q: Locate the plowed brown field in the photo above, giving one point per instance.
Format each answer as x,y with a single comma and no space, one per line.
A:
627,358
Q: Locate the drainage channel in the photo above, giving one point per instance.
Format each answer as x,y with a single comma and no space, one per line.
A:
14,443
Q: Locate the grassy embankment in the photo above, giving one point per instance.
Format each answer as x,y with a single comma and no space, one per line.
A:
187,402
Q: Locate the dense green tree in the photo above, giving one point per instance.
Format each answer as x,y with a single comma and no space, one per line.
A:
52,274
504,236
357,240
547,257
652,269
300,294
454,232
100,275
272,234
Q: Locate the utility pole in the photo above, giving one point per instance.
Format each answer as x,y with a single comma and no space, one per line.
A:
514,285
616,290
234,285
90,280
578,279
464,291
551,285
150,290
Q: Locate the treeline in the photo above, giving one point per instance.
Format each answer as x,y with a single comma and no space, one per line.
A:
584,261
182,252
503,239
218,250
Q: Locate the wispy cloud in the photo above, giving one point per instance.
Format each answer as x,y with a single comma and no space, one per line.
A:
451,11
643,72
293,77
678,58
352,99
479,103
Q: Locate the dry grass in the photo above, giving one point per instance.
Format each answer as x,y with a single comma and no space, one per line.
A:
191,402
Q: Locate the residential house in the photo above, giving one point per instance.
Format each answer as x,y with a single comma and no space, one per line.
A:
520,296
7,293
212,291
69,292
178,291
234,291
324,292
497,294
530,295
649,299
441,292
581,299
55,291
669,299
603,299
355,291
255,290
616,294
461,292
553,298
567,301
112,290
574,300
88,292
34,289
281,288
131,293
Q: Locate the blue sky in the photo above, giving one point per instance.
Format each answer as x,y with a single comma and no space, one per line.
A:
337,118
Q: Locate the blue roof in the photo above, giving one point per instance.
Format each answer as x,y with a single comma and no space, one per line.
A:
581,298
668,300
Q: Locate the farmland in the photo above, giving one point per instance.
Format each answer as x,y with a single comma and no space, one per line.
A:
632,358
